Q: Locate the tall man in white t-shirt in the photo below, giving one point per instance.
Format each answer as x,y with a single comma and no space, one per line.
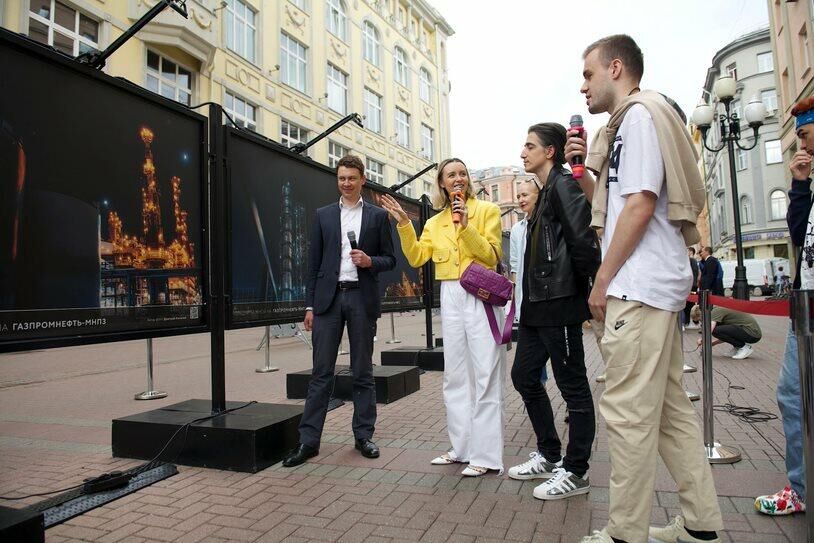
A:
642,284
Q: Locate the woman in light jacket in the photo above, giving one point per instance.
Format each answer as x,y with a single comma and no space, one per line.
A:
474,365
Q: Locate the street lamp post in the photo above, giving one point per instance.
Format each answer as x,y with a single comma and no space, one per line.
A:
703,117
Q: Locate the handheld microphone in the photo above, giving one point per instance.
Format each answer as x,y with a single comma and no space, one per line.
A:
577,163
457,194
352,240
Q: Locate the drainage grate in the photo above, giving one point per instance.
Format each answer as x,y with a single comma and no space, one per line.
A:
71,504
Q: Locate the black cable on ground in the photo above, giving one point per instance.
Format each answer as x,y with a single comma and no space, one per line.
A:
153,463
747,414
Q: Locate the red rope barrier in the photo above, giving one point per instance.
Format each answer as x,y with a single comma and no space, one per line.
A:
771,308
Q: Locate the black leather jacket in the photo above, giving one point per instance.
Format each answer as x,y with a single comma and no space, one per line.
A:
565,252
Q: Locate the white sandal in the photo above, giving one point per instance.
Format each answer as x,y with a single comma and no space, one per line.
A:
445,459
474,471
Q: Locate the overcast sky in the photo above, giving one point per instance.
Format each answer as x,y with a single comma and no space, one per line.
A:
516,62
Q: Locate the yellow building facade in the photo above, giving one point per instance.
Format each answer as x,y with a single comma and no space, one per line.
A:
287,69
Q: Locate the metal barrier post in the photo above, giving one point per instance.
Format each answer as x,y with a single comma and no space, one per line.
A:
716,453
392,331
150,393
803,324
266,344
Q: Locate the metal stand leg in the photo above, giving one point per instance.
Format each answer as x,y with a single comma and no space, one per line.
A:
150,393
392,331
268,368
305,339
343,346
803,323
716,453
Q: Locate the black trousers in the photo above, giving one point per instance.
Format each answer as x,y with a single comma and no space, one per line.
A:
734,335
563,345
347,309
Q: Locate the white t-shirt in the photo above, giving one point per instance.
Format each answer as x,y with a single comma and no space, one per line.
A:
517,247
807,258
658,271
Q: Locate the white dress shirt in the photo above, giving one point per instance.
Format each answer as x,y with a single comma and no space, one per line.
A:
351,221
517,251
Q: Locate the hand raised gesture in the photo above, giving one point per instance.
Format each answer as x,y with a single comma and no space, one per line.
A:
392,206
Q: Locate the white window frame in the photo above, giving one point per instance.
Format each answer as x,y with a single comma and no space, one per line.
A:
732,69
425,85
335,152
241,110
746,210
237,16
762,66
777,208
741,159
293,54
336,19
299,3
427,187
287,139
494,193
775,148
771,104
401,67
373,111
73,34
163,81
371,45
374,171
336,85
427,142
407,190
402,127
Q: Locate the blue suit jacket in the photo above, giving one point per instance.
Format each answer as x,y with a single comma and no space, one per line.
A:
374,238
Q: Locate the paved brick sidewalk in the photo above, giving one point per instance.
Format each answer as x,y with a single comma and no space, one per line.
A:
56,407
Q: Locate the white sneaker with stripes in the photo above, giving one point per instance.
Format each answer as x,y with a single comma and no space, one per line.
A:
537,467
563,485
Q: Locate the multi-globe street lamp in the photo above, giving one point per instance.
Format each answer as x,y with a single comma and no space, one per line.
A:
729,123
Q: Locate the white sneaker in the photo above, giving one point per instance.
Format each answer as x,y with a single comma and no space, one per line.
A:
675,533
597,537
563,485
743,352
535,468
732,352
693,326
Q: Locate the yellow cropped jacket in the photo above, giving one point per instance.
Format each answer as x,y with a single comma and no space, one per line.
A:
452,248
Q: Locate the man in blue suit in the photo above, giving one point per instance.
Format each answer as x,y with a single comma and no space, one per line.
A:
350,245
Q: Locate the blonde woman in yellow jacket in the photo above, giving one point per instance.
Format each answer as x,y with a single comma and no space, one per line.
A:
474,365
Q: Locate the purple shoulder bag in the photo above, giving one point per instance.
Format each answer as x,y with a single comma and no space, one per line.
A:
492,288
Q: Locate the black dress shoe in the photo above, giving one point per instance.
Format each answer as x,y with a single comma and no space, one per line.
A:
367,448
300,455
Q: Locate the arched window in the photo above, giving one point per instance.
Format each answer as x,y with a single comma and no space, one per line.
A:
370,37
401,67
746,210
425,86
337,19
778,202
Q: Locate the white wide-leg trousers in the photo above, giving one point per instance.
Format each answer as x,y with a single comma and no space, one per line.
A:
474,378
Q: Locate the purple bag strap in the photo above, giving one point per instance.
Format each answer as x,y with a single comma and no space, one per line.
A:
507,326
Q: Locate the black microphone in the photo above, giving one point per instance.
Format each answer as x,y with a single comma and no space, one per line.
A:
352,240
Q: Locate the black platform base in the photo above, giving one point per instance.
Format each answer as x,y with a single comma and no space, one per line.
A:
247,440
392,383
21,525
426,359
